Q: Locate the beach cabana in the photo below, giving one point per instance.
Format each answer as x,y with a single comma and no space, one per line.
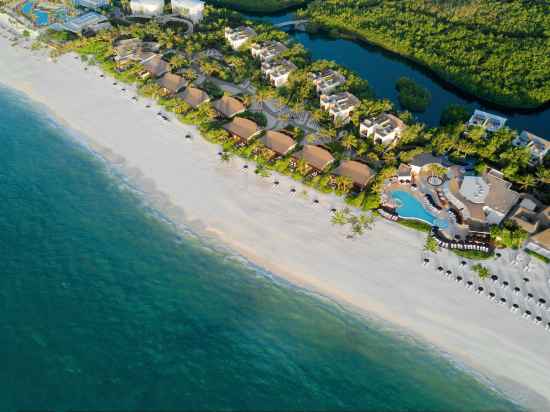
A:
194,97
278,142
172,83
315,157
242,129
155,67
228,106
358,172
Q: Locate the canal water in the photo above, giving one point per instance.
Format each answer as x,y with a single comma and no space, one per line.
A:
382,69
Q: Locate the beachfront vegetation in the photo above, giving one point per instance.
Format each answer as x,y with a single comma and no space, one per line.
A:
431,244
472,254
497,50
358,224
412,96
416,225
481,270
538,256
259,6
454,114
508,235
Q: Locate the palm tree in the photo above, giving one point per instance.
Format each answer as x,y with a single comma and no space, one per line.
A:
526,182
302,167
339,217
343,184
349,141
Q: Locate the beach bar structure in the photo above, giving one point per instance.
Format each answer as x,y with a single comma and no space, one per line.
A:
228,106
279,143
241,129
316,157
359,173
171,84
194,97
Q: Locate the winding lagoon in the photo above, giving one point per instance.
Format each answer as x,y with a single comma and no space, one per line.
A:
105,306
382,69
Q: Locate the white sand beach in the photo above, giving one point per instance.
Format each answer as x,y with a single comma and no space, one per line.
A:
380,273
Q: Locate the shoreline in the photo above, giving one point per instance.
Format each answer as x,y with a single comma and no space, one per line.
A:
248,208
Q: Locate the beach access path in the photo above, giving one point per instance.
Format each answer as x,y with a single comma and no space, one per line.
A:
380,274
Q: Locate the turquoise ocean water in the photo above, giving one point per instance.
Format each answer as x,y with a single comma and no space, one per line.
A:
105,307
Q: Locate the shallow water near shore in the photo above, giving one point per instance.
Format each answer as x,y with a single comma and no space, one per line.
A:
106,307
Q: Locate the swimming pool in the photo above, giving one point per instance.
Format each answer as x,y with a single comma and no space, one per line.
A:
410,208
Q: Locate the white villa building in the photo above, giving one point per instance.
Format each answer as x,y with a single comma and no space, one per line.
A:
327,81
147,8
92,4
192,9
384,128
339,105
278,71
267,51
537,146
239,36
490,122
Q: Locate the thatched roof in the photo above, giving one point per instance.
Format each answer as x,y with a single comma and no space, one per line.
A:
194,97
172,82
243,128
358,172
315,156
229,106
278,142
156,66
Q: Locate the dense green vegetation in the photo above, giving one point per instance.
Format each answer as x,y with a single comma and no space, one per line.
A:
498,50
538,256
472,254
454,114
257,6
412,96
416,225
481,270
509,235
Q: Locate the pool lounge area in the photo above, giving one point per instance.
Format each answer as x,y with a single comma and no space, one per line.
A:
408,207
43,13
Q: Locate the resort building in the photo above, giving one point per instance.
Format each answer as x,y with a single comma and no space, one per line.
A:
339,105
268,50
540,243
239,36
279,143
526,219
488,121
315,157
155,66
424,159
384,129
214,54
147,8
358,172
194,97
491,193
228,106
172,84
538,147
191,9
90,21
242,129
277,72
327,81
404,173
92,4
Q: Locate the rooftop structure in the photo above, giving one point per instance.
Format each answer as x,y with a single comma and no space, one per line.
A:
268,50
540,243
194,97
315,157
242,129
172,83
424,159
237,37
384,128
92,4
134,49
278,142
358,172
229,106
86,21
490,122
192,9
492,193
538,147
147,8
154,66
339,105
404,172
327,81
526,219
278,71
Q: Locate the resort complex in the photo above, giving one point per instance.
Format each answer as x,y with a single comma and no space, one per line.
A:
474,186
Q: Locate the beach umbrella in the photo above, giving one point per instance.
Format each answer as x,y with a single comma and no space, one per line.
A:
494,278
491,294
449,272
538,319
463,263
426,260
505,283
515,306
498,254
470,283
480,289
188,135
245,167
440,269
292,190
459,278
315,201
502,300
333,210
276,183
526,279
